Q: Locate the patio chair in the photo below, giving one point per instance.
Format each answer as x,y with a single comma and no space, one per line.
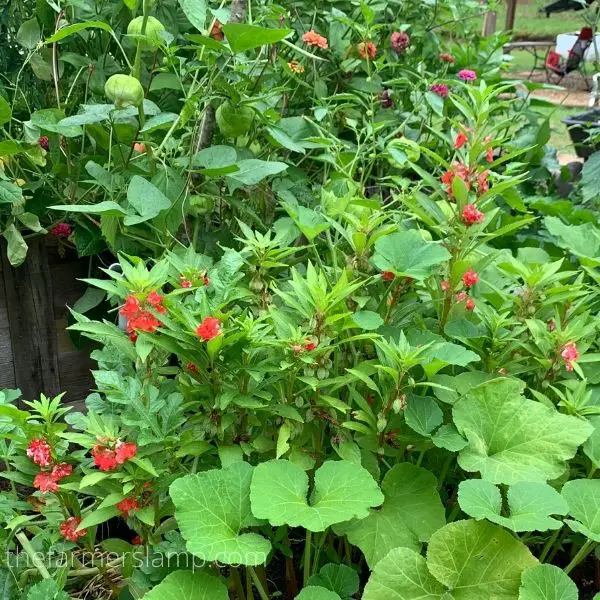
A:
565,5
557,70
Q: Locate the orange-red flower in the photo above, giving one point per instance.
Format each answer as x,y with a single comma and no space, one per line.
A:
296,67
470,215
367,50
312,38
128,505
68,529
40,452
461,140
209,329
216,31
45,482
470,278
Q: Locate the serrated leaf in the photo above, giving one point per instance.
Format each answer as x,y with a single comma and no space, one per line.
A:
46,590
514,439
547,582
407,254
412,511
530,504
188,585
583,499
342,491
212,509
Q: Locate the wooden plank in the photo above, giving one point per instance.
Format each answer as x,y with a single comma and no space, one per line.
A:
511,11
489,24
7,369
28,291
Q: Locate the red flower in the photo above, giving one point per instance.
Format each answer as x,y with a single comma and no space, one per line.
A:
457,170
104,458
312,38
310,345
128,505
138,318
61,230
400,41
482,182
124,451
461,140
137,541
441,89
367,50
61,470
68,529
209,329
388,276
470,304
192,368
45,482
569,354
155,300
40,452
133,336
470,215
470,278
489,153
447,58
216,32
445,285
467,75
44,143
206,280
185,283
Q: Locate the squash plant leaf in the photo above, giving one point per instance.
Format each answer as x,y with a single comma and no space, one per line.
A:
583,498
407,254
188,585
212,509
341,579
530,503
342,491
472,559
411,513
547,582
315,592
514,439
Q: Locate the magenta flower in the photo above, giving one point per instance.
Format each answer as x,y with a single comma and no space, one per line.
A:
441,89
467,75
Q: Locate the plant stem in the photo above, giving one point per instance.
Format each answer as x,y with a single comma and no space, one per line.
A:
257,584
549,545
35,559
583,552
237,583
307,549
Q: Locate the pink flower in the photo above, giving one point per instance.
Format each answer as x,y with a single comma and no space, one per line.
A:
470,304
489,153
124,451
312,38
61,470
68,529
470,278
45,482
470,215
61,230
44,143
184,282
441,89
461,296
399,41
445,285
467,75
569,354
40,452
483,185
209,329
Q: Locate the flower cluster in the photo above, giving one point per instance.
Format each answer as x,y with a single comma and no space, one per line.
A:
68,529
138,317
40,452
467,75
312,38
441,89
569,354
188,281
308,346
399,41
367,50
471,215
209,329
128,505
470,177
61,230
108,459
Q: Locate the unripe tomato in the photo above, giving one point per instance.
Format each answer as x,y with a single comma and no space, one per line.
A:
234,121
200,205
151,39
124,90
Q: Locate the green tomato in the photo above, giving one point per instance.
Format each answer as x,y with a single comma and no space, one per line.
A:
200,205
234,121
151,39
124,90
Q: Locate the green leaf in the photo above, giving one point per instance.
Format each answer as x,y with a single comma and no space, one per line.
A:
64,32
423,414
342,491
92,479
448,437
252,171
591,448
530,504
212,508
108,207
341,579
547,582
29,34
242,37
51,119
466,560
590,177
581,240
514,439
407,254
46,589
146,199
367,319
31,221
412,511
5,111
8,585
17,247
159,121
99,515
309,222
195,11
8,147
10,193
188,585
314,592
583,498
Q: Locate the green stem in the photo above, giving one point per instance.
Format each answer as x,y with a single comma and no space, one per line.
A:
549,545
257,584
237,583
307,549
583,552
35,559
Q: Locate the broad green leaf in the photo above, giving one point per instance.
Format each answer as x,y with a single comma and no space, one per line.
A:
64,32
341,579
403,575
29,34
342,491
242,37
195,11
8,585
212,509
162,120
99,515
407,254
314,592
412,511
423,414
478,560
8,147
547,582
146,199
448,437
310,222
583,498
590,177
31,221
92,479
51,119
16,245
530,504
367,319
252,170
591,448
581,240
108,207
5,111
514,439
188,585
10,193
46,589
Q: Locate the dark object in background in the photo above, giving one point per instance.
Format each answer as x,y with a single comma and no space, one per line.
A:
564,5
580,127
567,177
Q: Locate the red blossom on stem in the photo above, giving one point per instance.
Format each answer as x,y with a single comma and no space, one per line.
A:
456,170
367,50
40,452
399,41
44,143
61,230
128,505
461,140
467,75
124,451
68,529
441,89
104,458
448,58
388,276
470,304
312,38
137,541
45,482
209,329
482,182
310,345
138,317
470,278
61,470
569,354
470,215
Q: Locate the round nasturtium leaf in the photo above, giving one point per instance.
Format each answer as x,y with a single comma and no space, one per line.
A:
583,499
188,585
547,582
315,592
